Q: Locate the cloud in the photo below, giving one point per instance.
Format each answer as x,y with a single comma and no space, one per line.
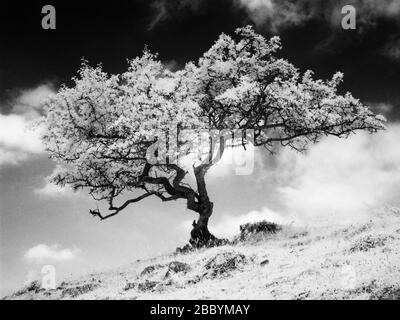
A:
29,102
172,65
163,10
50,253
279,14
336,181
384,108
392,50
50,190
19,138
11,157
16,133
342,179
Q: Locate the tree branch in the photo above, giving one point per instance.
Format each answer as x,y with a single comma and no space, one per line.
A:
119,209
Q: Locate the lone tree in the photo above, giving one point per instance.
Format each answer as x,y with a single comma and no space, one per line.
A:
101,129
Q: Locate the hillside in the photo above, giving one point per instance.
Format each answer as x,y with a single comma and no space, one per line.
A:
355,261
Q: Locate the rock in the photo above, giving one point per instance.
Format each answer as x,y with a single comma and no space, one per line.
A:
194,280
129,286
33,287
264,262
225,262
150,269
62,285
299,235
79,290
387,293
367,243
147,285
176,266
47,293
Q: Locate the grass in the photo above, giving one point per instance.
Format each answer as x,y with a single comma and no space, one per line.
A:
355,261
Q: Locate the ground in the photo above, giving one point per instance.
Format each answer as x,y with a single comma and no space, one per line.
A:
355,261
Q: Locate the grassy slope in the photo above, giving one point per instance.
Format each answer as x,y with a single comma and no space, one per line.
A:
303,263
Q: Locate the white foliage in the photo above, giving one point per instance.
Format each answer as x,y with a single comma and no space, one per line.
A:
100,129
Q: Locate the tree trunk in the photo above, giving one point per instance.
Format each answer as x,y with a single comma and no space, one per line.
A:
200,235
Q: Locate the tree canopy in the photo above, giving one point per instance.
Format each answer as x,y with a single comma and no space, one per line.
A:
100,130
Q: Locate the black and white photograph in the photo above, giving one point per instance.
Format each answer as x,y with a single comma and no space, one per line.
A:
202,150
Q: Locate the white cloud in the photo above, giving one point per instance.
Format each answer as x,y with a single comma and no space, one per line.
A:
50,253
17,133
273,14
51,190
336,181
164,9
342,179
30,101
11,157
383,108
277,14
19,138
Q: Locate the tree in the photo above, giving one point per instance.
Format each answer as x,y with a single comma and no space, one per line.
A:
103,130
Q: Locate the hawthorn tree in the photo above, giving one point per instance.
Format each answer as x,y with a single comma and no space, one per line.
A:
101,129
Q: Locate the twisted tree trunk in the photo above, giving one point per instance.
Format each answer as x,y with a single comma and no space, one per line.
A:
200,235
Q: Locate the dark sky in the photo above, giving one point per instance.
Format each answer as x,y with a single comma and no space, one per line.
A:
111,32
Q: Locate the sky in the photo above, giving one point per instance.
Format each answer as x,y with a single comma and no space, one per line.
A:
336,180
